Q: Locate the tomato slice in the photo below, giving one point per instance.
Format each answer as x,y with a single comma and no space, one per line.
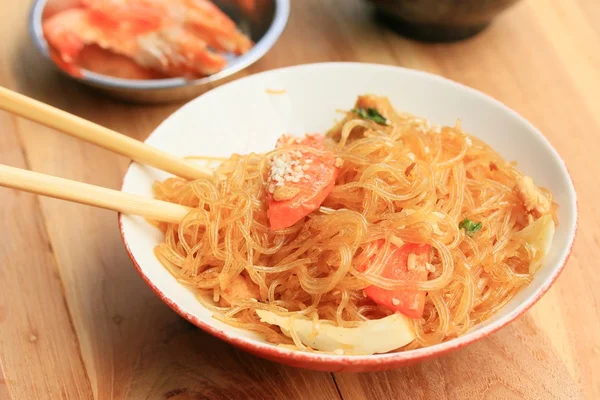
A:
409,302
299,181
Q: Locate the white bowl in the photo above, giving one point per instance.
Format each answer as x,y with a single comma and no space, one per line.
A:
242,117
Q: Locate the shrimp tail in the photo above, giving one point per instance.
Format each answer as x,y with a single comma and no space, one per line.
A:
176,52
208,22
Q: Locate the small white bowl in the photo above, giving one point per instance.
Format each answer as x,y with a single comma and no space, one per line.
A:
242,117
264,26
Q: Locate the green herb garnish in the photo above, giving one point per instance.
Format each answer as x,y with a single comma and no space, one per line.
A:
470,227
372,114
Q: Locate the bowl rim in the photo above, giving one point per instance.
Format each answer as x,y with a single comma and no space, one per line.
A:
260,48
339,362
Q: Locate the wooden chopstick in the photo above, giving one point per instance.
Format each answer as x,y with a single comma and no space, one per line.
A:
83,129
78,192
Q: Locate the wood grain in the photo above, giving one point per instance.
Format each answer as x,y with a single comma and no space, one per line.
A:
508,365
99,331
82,129
36,331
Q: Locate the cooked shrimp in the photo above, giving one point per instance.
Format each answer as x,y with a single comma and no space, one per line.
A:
200,17
55,6
533,198
176,37
171,50
240,288
379,103
208,22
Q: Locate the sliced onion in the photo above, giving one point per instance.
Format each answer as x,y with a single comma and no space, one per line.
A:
539,235
370,337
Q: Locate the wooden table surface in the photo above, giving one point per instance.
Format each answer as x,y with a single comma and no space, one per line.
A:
77,322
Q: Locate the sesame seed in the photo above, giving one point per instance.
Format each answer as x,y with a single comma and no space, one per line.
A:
338,351
305,167
289,166
412,261
397,241
395,301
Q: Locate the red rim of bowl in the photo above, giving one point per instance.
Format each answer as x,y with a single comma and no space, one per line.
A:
339,362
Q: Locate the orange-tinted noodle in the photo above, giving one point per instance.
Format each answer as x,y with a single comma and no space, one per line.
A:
406,181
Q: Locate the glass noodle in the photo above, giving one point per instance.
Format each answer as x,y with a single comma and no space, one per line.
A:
402,182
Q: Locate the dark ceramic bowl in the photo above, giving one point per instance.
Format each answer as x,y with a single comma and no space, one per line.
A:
439,20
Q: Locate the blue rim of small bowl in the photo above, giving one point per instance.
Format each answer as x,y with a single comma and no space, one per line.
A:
280,18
